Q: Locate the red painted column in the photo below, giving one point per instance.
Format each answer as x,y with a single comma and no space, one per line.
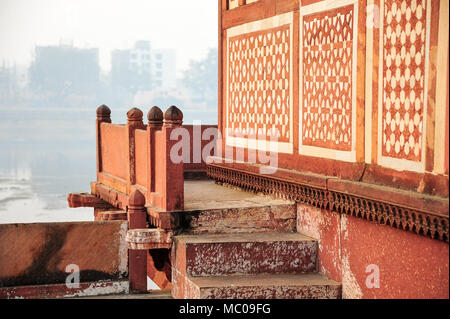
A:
173,181
134,121
137,259
103,116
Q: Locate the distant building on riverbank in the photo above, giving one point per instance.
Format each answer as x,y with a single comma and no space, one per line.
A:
143,68
64,69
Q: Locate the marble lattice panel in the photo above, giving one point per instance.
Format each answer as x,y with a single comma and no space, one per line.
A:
328,53
327,79
259,84
403,83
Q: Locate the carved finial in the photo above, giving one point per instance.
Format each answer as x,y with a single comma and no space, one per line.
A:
173,116
155,115
135,115
104,113
136,199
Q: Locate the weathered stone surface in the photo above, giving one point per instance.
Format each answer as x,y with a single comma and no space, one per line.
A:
36,254
224,254
155,115
115,198
156,294
351,250
149,238
210,208
228,210
324,226
206,195
409,266
136,213
135,115
89,289
239,220
299,286
136,199
173,114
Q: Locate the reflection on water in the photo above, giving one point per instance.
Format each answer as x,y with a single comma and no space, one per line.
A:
47,153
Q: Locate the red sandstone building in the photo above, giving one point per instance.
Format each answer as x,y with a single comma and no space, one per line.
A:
330,165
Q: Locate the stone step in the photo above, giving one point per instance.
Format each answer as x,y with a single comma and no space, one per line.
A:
267,215
226,254
211,208
253,218
262,286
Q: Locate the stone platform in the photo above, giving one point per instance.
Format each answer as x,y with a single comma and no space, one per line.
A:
207,195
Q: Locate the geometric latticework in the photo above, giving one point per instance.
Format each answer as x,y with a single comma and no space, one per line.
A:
327,79
259,84
403,94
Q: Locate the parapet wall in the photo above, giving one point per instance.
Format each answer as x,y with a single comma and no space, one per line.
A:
153,157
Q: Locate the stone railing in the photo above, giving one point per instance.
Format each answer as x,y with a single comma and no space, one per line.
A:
137,156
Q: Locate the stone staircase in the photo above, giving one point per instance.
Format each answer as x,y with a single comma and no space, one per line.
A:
248,266
226,243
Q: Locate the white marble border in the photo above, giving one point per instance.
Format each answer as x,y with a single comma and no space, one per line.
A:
368,103
441,89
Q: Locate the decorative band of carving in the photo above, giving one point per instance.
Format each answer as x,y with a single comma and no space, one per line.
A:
148,238
426,224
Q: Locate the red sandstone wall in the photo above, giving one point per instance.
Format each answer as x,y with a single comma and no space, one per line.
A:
114,150
194,163
37,254
410,266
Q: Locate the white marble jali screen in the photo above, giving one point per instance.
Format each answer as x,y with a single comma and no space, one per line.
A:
259,85
403,74
328,53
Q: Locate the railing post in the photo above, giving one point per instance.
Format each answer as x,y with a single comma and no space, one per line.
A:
155,121
134,121
137,219
103,116
173,179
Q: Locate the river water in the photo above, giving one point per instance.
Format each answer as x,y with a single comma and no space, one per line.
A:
45,153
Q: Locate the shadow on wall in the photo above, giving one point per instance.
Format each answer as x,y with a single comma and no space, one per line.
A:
36,254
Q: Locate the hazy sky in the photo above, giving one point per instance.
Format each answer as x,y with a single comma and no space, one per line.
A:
188,26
